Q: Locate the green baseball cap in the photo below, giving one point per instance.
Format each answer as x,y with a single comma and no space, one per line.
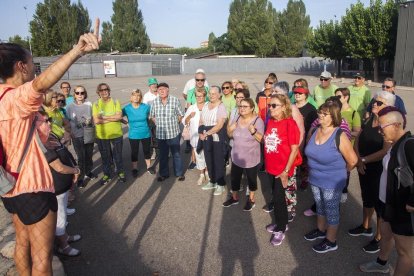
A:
152,81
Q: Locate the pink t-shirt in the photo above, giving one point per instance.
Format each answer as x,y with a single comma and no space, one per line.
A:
18,109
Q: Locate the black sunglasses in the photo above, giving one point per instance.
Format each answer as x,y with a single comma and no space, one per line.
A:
379,103
386,86
323,79
80,93
269,82
61,101
225,87
104,89
273,105
358,78
200,79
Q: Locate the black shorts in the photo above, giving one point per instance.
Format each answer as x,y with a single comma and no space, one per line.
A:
403,227
31,207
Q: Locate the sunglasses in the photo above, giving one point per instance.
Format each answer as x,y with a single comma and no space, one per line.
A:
323,79
61,101
80,93
269,82
48,120
378,103
200,79
104,89
273,105
225,87
358,78
386,86
54,97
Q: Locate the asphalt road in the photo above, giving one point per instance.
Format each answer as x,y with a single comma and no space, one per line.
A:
144,227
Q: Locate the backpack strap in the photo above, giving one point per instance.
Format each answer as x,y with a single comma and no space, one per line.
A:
353,115
403,171
5,91
338,138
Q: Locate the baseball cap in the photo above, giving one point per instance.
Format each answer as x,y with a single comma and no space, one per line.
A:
163,84
152,81
326,75
199,70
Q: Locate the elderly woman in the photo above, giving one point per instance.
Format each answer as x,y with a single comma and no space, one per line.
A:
371,149
330,155
79,113
137,114
32,200
192,120
213,134
247,132
60,125
281,143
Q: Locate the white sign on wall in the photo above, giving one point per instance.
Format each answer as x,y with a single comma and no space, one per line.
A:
109,67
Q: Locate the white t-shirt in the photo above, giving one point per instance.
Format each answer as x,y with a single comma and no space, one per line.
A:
191,84
149,98
384,175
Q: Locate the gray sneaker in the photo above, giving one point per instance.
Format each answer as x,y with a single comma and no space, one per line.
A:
209,186
373,266
219,190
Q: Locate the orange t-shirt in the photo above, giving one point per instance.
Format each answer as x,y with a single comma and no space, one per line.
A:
17,111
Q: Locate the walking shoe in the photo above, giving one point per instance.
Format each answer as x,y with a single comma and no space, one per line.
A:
314,235
374,266
70,211
291,216
105,180
135,173
181,178
192,166
344,197
271,228
91,176
151,171
249,205
277,238
201,179
309,212
81,184
360,231
268,207
372,247
209,186
231,201
122,177
219,190
325,246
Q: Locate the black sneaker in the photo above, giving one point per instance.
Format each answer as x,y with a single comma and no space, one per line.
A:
122,177
151,170
325,246
230,202
268,207
360,231
372,247
314,235
291,216
81,184
192,166
91,175
249,205
135,173
262,168
105,179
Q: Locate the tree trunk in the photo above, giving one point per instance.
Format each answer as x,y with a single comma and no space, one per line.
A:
376,65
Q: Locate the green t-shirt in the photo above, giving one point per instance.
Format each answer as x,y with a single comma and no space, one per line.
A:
229,102
110,130
359,98
191,98
321,94
351,117
57,122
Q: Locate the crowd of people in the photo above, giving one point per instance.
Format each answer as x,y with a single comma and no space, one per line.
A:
296,137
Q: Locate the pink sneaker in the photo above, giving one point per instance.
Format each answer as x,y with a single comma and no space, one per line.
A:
271,227
309,213
277,238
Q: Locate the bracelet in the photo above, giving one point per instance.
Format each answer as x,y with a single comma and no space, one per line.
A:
255,130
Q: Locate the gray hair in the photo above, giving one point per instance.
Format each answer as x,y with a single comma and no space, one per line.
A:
216,87
282,85
387,96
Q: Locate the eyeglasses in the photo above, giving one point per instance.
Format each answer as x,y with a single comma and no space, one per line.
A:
200,79
225,87
382,127
273,105
269,82
80,93
239,89
244,106
200,97
104,89
323,79
386,86
239,98
378,103
61,101
323,114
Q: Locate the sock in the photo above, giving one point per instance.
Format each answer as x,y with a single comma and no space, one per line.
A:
381,262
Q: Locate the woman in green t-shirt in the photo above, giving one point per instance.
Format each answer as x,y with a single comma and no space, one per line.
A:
351,116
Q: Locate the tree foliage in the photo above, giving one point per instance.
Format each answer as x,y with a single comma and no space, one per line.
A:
129,32
19,40
57,25
107,37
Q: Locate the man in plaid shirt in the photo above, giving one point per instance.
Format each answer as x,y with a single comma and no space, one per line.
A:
166,113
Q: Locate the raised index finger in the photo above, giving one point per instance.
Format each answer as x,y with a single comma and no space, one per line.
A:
96,29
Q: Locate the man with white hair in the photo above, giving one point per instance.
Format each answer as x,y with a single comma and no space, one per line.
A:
324,90
396,198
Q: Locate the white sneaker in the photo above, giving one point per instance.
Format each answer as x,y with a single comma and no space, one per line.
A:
219,190
344,197
209,186
201,179
70,211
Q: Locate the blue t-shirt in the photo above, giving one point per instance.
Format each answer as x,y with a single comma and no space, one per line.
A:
138,121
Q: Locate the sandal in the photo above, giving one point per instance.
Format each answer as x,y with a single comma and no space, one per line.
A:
74,238
69,251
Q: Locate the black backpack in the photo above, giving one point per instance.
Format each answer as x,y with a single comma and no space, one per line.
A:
403,171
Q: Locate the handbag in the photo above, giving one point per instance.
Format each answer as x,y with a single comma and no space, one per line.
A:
186,133
88,134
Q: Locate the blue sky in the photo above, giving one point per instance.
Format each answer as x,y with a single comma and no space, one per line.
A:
172,22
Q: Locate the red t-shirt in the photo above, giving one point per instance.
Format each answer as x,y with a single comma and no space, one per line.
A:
278,138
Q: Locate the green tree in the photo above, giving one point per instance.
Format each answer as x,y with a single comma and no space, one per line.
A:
107,37
293,27
327,42
211,38
222,44
129,32
367,31
235,30
19,40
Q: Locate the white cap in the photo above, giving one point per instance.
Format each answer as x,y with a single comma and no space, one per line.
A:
199,70
326,75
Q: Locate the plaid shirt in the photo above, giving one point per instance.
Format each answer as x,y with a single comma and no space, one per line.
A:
166,117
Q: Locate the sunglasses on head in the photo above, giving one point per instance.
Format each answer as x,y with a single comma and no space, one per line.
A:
386,86
80,93
200,79
323,79
273,105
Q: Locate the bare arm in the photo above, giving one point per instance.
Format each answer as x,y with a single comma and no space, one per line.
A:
345,147
284,177
297,116
58,166
379,155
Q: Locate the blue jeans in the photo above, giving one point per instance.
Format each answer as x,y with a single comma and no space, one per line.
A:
173,145
111,152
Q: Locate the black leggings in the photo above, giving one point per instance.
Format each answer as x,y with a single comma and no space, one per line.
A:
146,147
236,175
280,209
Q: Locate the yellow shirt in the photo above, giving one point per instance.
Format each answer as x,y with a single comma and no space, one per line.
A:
109,130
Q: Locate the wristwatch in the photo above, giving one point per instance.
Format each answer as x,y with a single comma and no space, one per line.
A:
363,160
286,171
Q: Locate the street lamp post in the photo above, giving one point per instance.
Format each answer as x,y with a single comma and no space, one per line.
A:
27,21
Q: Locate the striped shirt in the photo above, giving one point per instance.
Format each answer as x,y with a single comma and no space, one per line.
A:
167,117
210,117
344,126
